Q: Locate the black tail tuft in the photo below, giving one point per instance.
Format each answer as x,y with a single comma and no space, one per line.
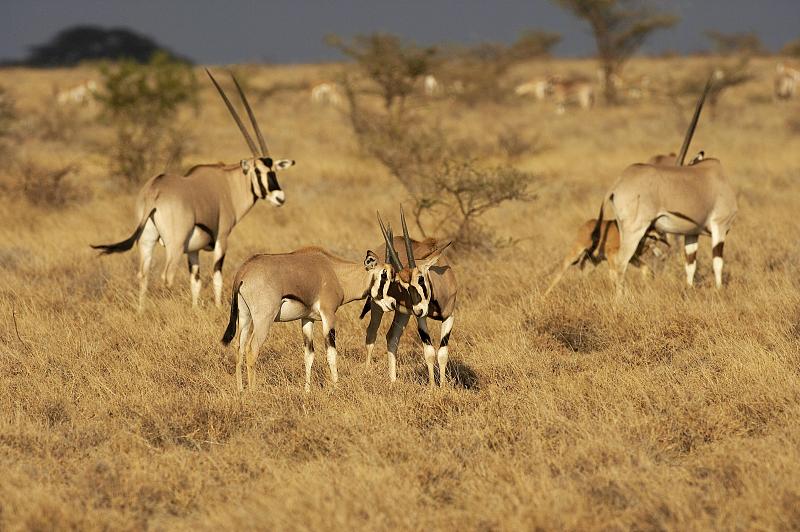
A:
230,332
598,229
125,245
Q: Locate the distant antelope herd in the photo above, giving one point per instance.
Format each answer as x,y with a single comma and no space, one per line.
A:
198,211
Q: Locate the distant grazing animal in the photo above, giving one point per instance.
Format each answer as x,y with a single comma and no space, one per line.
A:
786,80
426,288
537,88
685,200
79,95
327,93
566,91
430,85
309,285
199,210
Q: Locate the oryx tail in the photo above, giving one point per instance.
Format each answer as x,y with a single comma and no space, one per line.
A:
125,245
598,228
230,332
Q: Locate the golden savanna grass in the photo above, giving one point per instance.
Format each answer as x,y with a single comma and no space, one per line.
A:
674,409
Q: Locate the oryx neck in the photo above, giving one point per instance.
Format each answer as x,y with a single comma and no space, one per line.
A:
353,278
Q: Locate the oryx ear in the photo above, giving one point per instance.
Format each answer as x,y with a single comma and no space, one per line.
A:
283,163
697,158
371,261
433,257
245,164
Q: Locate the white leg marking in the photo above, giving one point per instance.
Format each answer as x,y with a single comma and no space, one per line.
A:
442,355
428,350
308,343
329,329
690,249
194,276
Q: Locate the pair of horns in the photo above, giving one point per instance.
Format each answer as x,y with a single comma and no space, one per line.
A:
690,132
235,115
391,253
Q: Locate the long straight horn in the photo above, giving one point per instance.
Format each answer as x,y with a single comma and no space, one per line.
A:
259,136
409,251
235,116
391,238
393,258
690,132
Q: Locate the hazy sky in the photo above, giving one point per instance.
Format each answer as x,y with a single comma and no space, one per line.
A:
292,30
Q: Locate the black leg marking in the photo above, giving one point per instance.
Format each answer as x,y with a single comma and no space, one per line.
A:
717,250
367,307
424,336
445,340
219,263
332,338
690,257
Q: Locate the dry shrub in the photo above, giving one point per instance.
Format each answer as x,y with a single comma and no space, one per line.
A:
44,185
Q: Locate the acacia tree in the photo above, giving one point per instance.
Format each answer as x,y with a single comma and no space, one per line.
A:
619,27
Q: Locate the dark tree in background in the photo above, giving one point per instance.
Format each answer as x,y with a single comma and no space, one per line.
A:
86,43
619,27
393,65
736,43
791,48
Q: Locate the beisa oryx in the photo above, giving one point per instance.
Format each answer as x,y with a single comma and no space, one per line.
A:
682,200
309,285
426,288
198,211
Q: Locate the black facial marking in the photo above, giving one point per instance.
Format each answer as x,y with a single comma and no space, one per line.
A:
445,340
332,338
267,161
424,290
260,183
219,263
424,336
716,251
272,181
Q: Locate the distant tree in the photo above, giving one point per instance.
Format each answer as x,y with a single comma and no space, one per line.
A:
72,45
393,65
735,43
619,27
532,44
792,48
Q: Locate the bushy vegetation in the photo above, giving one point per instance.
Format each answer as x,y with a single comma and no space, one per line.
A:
142,103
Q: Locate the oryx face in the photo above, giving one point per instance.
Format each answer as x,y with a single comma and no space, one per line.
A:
381,275
416,282
262,172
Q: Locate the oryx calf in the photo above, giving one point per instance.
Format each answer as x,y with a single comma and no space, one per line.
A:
198,211
425,289
309,285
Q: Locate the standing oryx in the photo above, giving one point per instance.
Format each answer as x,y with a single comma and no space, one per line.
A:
197,211
685,200
309,284
425,290
786,80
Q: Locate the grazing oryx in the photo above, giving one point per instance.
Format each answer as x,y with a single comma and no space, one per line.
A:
608,247
309,285
327,93
427,289
197,211
80,95
683,200
786,80
430,86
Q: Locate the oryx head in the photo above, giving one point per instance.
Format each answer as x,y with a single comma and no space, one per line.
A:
261,169
413,281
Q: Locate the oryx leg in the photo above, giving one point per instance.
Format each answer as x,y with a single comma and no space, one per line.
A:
690,257
174,253
393,340
375,317
329,331
147,242
262,321
245,337
717,244
427,348
630,236
194,275
220,247
308,349
442,354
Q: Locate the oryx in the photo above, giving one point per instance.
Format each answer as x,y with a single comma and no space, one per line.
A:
538,88
608,247
198,211
683,200
327,93
309,285
786,80
426,289
571,90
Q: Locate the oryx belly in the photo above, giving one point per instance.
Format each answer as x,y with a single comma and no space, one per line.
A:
293,309
200,238
678,223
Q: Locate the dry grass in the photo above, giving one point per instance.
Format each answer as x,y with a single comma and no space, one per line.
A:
675,409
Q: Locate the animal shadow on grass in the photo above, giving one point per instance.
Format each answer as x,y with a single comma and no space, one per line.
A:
457,372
